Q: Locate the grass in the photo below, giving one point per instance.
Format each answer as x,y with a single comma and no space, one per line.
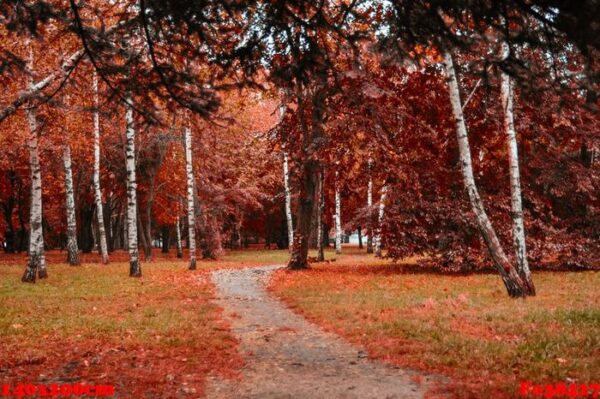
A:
159,335
462,326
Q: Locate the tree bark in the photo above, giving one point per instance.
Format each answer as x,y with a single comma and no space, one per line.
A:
377,238
191,211
72,249
512,281
37,260
288,201
299,258
135,269
166,238
507,96
360,239
369,206
97,191
321,207
338,217
178,235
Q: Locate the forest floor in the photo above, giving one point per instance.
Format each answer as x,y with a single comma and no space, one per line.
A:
461,326
288,357
158,336
221,330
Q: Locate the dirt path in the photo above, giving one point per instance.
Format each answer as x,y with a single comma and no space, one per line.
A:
288,357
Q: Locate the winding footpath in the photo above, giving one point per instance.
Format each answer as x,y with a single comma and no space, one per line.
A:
289,357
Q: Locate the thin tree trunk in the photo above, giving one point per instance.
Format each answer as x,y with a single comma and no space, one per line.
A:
166,239
369,205
37,260
191,212
288,201
97,190
135,269
72,249
321,207
377,239
360,239
338,217
178,235
515,184
512,281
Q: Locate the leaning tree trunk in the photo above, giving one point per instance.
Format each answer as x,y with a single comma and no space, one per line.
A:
321,207
178,235
338,217
515,184
369,205
377,239
72,250
191,211
97,190
513,282
299,258
37,260
135,269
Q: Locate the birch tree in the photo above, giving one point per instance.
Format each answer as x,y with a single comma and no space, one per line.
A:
37,260
338,217
135,269
97,190
178,236
377,239
191,211
507,96
286,188
512,281
369,205
72,249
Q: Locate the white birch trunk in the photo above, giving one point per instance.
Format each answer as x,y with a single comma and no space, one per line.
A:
191,211
37,260
97,191
135,269
72,250
507,96
178,234
377,239
338,217
288,200
512,281
369,205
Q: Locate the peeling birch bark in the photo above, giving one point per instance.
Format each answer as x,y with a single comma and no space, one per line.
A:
72,249
338,218
377,239
520,246
369,205
178,235
97,190
135,269
191,211
36,263
512,281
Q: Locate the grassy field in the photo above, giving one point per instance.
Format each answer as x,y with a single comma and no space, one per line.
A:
462,326
94,324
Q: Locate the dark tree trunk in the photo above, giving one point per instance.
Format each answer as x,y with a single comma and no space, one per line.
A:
360,243
86,234
321,206
166,237
299,258
143,238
